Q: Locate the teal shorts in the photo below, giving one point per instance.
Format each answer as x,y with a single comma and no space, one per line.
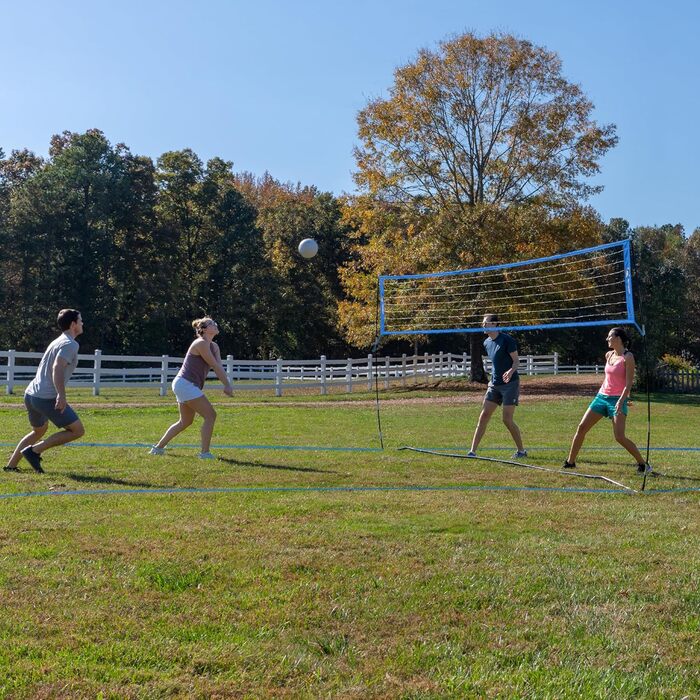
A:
605,405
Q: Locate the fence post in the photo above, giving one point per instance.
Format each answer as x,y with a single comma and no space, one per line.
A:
425,366
278,377
369,372
164,375
403,369
415,369
229,368
324,389
96,369
10,371
348,376
577,368
387,363
441,370
556,363
465,371
529,365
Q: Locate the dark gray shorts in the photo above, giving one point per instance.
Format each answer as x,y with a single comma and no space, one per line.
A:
42,410
504,394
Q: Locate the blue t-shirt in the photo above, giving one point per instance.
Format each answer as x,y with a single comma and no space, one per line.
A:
499,350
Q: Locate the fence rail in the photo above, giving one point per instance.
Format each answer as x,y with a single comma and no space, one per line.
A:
98,371
678,381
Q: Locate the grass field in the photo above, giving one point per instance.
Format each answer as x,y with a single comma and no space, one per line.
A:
356,574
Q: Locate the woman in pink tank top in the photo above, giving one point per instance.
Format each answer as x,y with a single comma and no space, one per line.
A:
202,355
612,400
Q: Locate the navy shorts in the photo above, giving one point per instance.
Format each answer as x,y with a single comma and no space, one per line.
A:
504,394
42,410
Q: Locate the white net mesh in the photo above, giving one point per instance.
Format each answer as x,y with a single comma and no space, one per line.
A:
582,288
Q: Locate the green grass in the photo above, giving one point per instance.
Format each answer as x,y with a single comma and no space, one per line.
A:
358,594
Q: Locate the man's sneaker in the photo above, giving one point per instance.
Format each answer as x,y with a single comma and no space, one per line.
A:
471,453
520,454
569,465
33,458
206,455
644,467
156,450
8,468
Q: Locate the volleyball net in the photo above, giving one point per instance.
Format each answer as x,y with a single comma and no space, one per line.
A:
588,287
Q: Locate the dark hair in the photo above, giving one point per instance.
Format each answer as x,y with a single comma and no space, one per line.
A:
622,334
491,318
66,317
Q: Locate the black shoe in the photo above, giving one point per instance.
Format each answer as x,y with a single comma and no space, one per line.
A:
569,465
642,468
33,458
8,468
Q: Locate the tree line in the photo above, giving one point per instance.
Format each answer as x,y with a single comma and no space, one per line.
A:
143,247
480,154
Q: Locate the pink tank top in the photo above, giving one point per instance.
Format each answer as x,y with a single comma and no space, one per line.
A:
615,378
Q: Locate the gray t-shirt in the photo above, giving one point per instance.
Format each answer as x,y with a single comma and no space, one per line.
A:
42,385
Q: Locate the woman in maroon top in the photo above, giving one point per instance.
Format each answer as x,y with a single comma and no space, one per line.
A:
201,356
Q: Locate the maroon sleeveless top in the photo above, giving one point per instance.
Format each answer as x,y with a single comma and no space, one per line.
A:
194,369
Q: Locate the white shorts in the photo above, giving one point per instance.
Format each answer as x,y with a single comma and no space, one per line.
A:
185,391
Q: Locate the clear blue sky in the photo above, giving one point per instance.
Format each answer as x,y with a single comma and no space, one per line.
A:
276,84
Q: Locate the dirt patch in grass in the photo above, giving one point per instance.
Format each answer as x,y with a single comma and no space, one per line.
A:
446,391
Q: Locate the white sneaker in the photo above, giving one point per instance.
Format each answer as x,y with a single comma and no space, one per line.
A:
156,450
206,455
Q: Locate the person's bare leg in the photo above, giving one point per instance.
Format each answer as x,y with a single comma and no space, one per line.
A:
203,406
590,418
619,423
28,439
71,432
508,412
484,417
187,414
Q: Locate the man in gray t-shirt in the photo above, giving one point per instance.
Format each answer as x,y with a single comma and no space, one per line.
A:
45,397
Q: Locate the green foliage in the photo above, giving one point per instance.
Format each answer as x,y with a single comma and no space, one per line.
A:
141,249
677,362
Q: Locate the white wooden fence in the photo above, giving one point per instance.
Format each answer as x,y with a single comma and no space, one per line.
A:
97,371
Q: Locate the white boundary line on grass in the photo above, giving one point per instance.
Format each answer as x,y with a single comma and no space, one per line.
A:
521,464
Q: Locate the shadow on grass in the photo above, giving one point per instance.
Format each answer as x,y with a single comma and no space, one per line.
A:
281,467
85,479
678,399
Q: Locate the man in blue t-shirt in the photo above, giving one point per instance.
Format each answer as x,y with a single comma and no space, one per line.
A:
504,387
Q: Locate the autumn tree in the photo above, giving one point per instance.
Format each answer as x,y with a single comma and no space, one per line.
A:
480,154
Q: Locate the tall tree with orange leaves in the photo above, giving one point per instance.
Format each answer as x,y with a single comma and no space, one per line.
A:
479,154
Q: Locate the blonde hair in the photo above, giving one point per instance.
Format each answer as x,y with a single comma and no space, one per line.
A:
199,324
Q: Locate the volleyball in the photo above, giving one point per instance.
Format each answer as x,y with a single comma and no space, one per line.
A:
308,248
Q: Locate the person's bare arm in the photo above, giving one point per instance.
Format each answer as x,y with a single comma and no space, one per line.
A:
212,357
58,376
510,372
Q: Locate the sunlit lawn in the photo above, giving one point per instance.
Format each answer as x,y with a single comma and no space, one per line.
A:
311,573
